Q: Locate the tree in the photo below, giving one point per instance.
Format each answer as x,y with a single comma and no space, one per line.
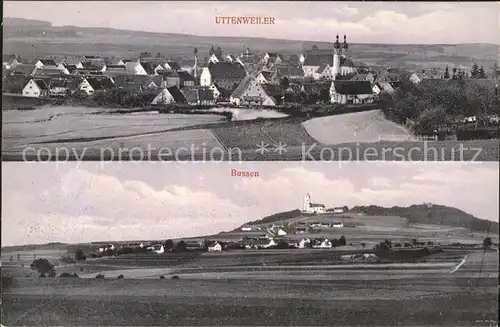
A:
169,245
181,246
345,208
285,84
342,240
44,267
474,71
315,48
414,241
487,242
145,55
481,73
363,244
446,72
79,255
158,55
454,73
324,95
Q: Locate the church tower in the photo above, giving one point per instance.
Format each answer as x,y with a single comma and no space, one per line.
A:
307,202
336,58
344,47
195,63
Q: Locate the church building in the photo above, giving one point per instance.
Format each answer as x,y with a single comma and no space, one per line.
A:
312,207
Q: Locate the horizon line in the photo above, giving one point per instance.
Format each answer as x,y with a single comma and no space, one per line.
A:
246,37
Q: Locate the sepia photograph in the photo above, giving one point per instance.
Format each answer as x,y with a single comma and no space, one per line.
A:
252,244
256,81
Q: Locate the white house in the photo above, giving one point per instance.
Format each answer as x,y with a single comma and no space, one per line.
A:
169,95
312,207
135,68
160,250
246,229
225,74
322,244
86,87
304,243
47,63
215,247
36,88
338,210
281,232
250,92
351,92
265,77
10,61
338,224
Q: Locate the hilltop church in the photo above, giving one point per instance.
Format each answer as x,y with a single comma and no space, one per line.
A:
312,207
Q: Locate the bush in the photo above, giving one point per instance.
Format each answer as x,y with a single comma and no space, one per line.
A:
65,274
342,240
99,276
7,281
67,259
175,277
44,267
162,277
79,255
120,277
487,242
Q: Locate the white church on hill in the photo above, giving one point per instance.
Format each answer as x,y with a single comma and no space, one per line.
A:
312,207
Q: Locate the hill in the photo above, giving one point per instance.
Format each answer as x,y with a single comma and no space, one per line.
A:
416,214
29,37
436,214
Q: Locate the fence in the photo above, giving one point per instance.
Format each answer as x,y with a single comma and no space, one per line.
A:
401,138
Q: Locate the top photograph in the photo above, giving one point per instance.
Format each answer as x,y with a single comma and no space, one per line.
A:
250,81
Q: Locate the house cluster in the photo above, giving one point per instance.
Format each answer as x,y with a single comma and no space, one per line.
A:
247,79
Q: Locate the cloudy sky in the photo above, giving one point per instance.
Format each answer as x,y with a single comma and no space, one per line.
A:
364,22
91,201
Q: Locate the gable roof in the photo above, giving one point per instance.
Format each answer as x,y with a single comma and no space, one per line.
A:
290,71
48,62
47,72
150,69
321,68
318,60
100,83
241,88
174,65
190,94
185,76
352,87
8,58
24,69
41,84
309,88
226,70
176,94
267,75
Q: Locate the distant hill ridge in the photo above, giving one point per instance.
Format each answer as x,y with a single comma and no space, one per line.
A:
21,36
416,214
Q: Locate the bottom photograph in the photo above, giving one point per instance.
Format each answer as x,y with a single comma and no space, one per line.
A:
253,244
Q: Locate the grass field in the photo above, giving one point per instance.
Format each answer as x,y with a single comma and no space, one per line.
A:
63,133
431,297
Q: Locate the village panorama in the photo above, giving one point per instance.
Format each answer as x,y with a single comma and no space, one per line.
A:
322,264
330,93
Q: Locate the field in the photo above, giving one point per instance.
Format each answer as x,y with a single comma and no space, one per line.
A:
407,294
362,127
62,133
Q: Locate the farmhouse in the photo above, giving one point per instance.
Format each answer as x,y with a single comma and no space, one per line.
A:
48,63
135,68
250,92
225,74
351,92
91,84
304,243
322,244
10,61
214,247
169,95
36,88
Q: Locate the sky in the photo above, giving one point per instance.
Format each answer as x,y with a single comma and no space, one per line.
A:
77,202
364,22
